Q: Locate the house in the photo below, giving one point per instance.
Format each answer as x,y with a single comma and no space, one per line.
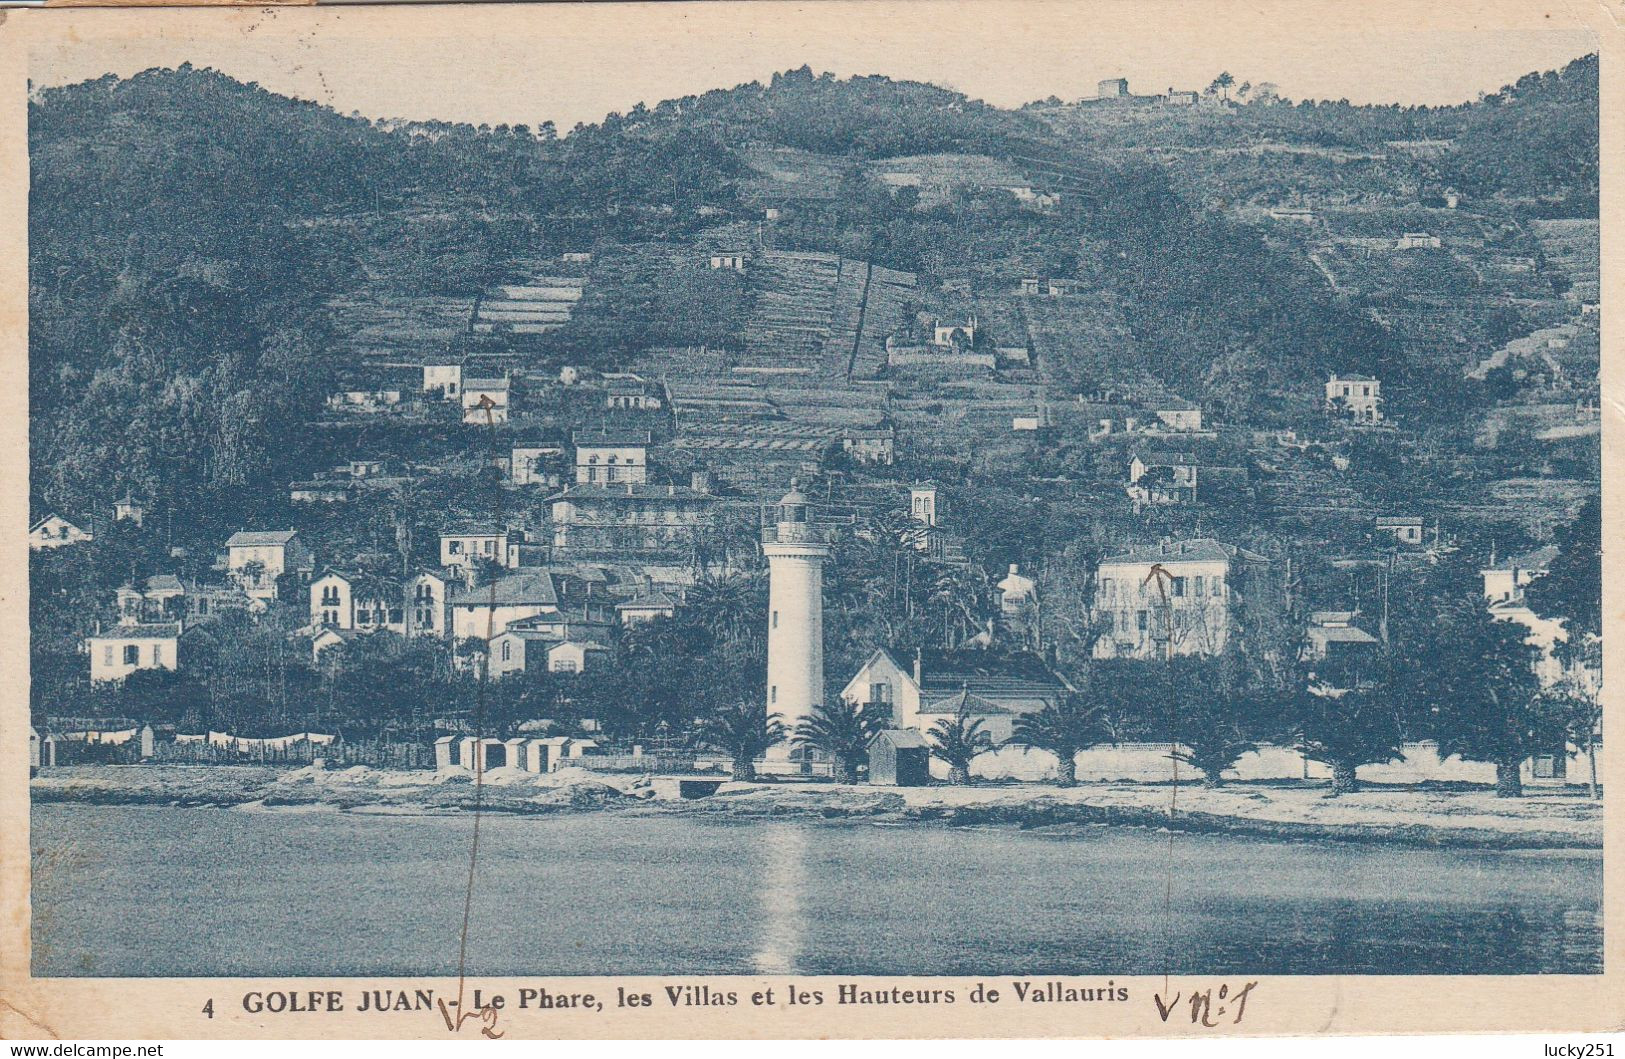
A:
554,627
1332,635
1358,396
1417,241
533,463
1157,477
128,509
485,610
899,757
1504,581
256,558
365,604
444,378
366,402
729,262
426,596
128,647
870,444
54,531
646,606
205,602
321,491
1178,414
916,695
1175,598
630,520
1112,88
160,598
461,547
632,393
486,400
325,636
605,456
1182,98
1405,529
1016,592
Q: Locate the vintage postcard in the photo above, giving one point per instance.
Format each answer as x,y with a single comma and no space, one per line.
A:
892,519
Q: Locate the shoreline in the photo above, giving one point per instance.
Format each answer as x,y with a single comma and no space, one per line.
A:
1430,819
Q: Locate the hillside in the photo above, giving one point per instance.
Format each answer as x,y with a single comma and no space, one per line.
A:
208,258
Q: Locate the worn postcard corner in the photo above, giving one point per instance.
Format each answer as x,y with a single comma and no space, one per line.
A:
732,520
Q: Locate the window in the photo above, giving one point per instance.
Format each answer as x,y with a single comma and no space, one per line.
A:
1178,588
1141,620
107,655
507,650
773,694
157,654
1201,585
489,545
880,691
1218,585
132,655
565,665
1106,586
455,548
775,619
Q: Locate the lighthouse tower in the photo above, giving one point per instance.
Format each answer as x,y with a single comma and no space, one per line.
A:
795,620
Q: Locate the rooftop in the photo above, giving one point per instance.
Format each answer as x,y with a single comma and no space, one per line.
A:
631,491
260,538
158,630
1194,551
528,587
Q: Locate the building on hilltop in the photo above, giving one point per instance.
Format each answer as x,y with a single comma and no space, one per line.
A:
444,378
255,559
1357,396
132,646
1504,581
482,611
1406,529
1177,598
54,531
1112,88
487,401
608,457
630,520
462,547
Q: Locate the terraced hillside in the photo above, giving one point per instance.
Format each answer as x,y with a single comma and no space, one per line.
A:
1574,247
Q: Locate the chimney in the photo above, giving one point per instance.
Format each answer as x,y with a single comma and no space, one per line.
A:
917,667
1014,569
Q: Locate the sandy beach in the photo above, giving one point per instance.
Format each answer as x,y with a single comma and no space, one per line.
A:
1457,818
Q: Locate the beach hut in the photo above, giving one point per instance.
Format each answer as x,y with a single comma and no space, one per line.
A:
580,747
465,751
513,753
552,752
147,739
445,751
899,758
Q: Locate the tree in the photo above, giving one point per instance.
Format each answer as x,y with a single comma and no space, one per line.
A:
1571,588
843,730
1063,728
744,731
1574,702
1211,705
1347,729
1480,686
1222,84
958,742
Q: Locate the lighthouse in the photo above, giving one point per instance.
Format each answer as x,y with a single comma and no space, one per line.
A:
795,619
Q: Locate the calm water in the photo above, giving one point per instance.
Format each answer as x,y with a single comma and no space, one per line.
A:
141,890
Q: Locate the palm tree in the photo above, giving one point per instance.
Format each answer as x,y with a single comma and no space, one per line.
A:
843,730
1349,729
1063,728
959,742
743,731
723,606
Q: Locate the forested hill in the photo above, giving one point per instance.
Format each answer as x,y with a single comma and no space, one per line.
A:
188,233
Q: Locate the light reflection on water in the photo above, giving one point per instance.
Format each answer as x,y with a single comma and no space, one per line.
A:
150,890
